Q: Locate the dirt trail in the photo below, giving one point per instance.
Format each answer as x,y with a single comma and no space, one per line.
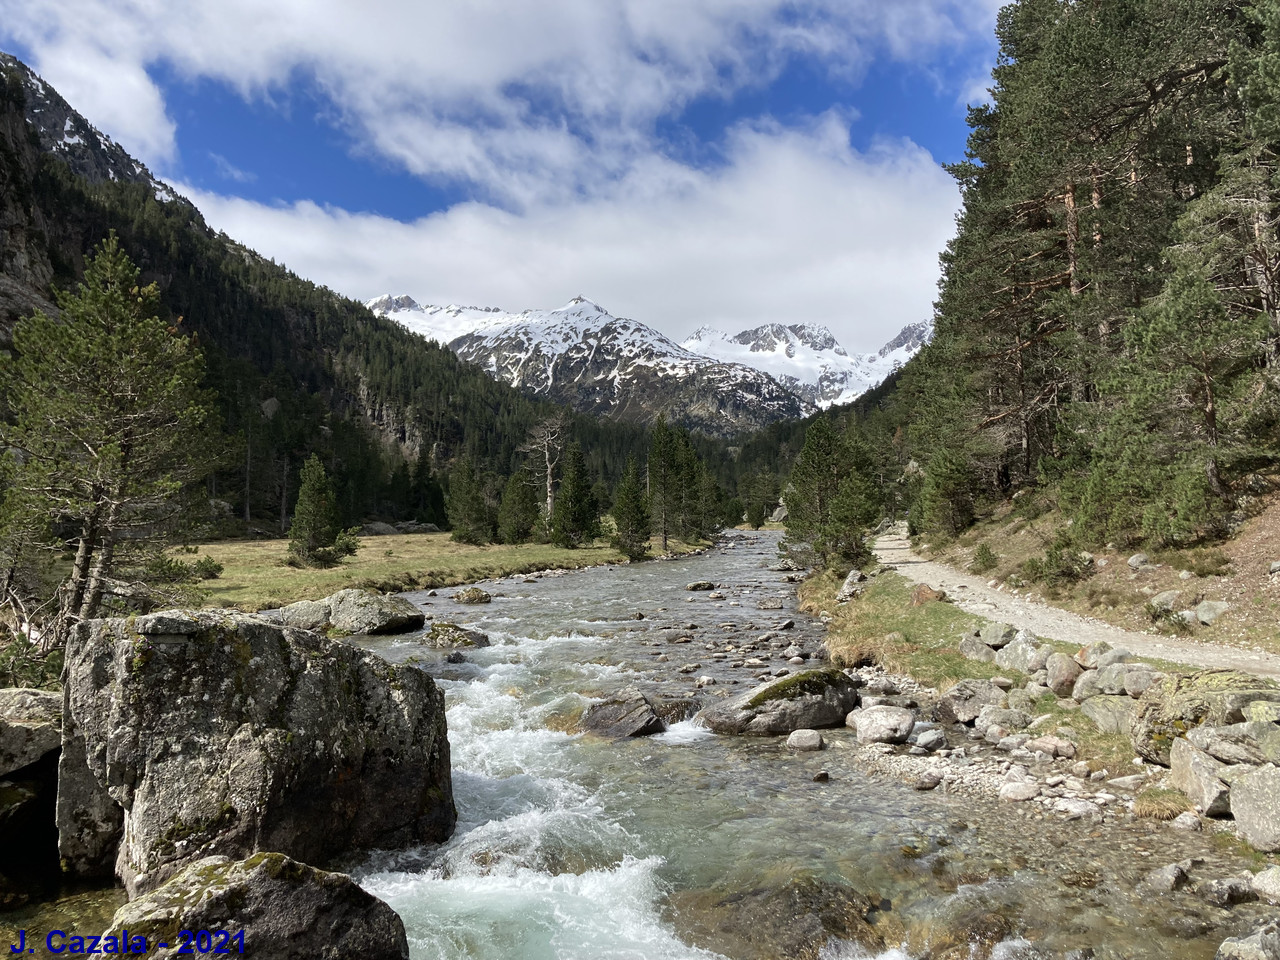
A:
972,594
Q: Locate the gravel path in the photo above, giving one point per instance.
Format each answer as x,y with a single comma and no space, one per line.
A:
973,595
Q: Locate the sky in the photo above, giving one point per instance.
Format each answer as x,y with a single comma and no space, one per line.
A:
680,162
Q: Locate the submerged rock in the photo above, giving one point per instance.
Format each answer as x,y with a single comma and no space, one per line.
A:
472,595
285,909
449,635
628,713
811,699
192,734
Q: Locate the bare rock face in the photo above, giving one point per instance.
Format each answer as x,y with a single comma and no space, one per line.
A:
187,735
355,612
30,726
287,910
811,700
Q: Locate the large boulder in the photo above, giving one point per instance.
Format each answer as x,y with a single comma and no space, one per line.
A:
882,724
196,734
809,700
852,587
963,702
1198,775
626,714
363,611
971,648
1111,714
1176,704
1262,944
30,726
286,910
997,635
1239,742
306,614
1023,654
1255,803
993,716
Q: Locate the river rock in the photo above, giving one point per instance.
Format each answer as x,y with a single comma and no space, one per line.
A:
286,909
1019,791
1263,944
1197,775
1051,746
449,635
1088,656
700,585
30,726
1255,803
307,614
1267,884
1187,821
226,734
963,702
803,741
1063,673
1168,878
931,740
1111,714
1023,655
794,919
991,715
852,587
628,713
1226,891
472,595
363,611
1239,742
971,648
882,724
1175,704
810,699
997,635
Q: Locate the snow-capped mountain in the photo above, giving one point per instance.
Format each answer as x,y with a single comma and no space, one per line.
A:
807,360
583,356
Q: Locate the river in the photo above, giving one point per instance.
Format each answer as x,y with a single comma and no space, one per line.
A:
570,846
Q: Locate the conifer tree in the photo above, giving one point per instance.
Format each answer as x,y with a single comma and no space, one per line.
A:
519,512
315,539
576,519
468,509
662,480
106,410
631,515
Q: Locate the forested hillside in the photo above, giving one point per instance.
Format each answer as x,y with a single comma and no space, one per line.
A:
1107,324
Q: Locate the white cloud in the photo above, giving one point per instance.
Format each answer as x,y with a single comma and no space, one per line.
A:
796,227
526,101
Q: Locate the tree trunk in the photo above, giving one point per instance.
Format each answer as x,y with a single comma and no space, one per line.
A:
1073,236
101,565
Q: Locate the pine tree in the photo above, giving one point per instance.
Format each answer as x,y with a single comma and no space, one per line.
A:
315,539
631,515
576,519
519,512
468,510
106,409
662,480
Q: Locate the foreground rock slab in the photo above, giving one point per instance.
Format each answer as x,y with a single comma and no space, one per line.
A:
1174,705
192,734
287,910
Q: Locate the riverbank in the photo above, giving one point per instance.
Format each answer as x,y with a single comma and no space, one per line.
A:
255,575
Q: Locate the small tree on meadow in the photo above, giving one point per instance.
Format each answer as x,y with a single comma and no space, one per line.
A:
315,539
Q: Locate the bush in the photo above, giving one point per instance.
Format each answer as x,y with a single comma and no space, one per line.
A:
1057,567
984,559
207,568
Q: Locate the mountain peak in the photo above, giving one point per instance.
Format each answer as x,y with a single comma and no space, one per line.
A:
388,304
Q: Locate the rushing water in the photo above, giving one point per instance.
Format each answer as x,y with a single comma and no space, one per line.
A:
569,846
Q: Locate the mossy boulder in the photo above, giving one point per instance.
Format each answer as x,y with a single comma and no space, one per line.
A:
1176,704
286,909
472,595
447,636
218,733
812,699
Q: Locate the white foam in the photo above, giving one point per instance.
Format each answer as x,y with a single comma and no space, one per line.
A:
684,732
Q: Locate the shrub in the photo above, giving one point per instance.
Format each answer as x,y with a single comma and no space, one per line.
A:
984,559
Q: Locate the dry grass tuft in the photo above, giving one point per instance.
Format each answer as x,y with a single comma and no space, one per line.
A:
1160,803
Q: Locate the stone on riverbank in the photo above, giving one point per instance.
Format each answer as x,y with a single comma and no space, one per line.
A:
1263,944
628,713
1267,884
1176,704
963,702
1111,714
853,586
1063,673
811,699
803,741
216,732
30,726
355,612
882,724
286,909
1197,775
1255,803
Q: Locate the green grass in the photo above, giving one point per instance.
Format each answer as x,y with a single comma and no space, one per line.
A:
255,576
881,626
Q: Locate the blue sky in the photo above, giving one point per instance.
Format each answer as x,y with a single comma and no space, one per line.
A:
729,162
